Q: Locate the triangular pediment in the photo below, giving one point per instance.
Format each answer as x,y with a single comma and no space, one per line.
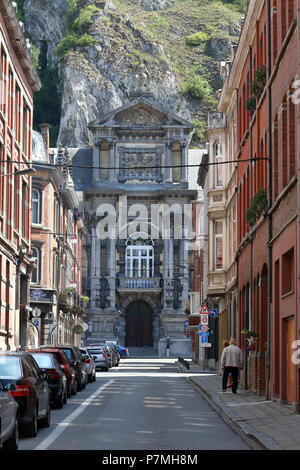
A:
140,113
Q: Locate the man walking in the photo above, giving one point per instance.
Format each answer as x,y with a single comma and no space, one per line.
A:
231,361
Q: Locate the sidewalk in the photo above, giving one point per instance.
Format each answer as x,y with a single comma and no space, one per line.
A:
266,424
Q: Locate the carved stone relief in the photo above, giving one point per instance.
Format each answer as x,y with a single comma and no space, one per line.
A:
140,164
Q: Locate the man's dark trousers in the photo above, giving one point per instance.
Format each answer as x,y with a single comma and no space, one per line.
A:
234,371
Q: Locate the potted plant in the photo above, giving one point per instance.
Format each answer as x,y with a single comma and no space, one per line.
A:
250,337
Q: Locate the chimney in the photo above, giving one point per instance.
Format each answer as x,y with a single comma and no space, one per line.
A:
45,134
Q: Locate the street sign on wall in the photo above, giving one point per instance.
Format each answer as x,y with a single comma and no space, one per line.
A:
204,319
204,310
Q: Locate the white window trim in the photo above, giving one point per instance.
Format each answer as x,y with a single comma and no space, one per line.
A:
148,257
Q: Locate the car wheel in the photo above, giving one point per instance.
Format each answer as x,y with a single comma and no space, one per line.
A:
45,422
65,396
90,379
59,402
13,442
74,389
69,391
31,429
79,386
94,377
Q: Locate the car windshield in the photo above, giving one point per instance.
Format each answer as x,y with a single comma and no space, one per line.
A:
69,354
95,351
44,361
10,367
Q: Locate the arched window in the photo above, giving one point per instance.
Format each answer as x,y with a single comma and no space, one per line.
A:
139,257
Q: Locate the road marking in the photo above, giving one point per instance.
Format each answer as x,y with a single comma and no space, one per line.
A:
61,427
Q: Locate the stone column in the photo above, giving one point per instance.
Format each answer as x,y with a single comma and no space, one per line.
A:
93,268
112,161
171,255
184,161
185,271
112,272
96,163
168,171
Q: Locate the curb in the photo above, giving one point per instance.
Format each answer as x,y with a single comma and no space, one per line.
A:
257,440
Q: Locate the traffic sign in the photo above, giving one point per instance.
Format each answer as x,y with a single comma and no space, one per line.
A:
36,322
214,312
186,323
203,328
204,339
203,333
204,319
204,310
205,345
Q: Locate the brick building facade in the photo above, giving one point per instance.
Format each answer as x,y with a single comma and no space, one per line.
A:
57,233
18,82
264,142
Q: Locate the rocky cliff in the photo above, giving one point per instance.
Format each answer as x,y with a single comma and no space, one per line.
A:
104,50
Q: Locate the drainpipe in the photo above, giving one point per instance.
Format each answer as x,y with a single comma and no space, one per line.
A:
298,171
270,217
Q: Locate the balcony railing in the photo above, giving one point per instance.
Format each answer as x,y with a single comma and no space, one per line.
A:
139,283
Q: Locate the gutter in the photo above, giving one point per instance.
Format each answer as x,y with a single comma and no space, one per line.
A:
270,214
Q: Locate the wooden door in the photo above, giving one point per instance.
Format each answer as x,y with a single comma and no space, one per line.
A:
139,325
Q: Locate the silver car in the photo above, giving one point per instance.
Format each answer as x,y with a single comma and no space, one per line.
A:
99,357
89,364
9,420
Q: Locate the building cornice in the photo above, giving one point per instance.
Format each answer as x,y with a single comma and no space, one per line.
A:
19,44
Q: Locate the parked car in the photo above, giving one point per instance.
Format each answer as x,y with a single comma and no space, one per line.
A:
122,351
99,357
66,367
74,355
108,352
115,354
55,376
26,383
9,420
89,363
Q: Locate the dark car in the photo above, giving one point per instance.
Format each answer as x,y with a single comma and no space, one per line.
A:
66,367
115,354
56,378
122,351
9,421
26,383
74,355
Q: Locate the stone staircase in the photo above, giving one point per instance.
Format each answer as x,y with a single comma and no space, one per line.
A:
142,352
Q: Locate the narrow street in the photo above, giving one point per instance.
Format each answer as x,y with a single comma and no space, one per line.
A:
143,404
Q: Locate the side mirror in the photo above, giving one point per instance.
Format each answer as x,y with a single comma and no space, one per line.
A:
94,358
62,366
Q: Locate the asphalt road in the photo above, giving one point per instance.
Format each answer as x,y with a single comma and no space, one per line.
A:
144,404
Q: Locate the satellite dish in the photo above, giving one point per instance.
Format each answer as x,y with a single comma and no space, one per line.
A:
78,330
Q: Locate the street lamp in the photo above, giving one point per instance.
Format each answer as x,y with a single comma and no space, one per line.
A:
28,171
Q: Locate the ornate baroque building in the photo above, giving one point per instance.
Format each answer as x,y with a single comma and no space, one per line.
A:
137,274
